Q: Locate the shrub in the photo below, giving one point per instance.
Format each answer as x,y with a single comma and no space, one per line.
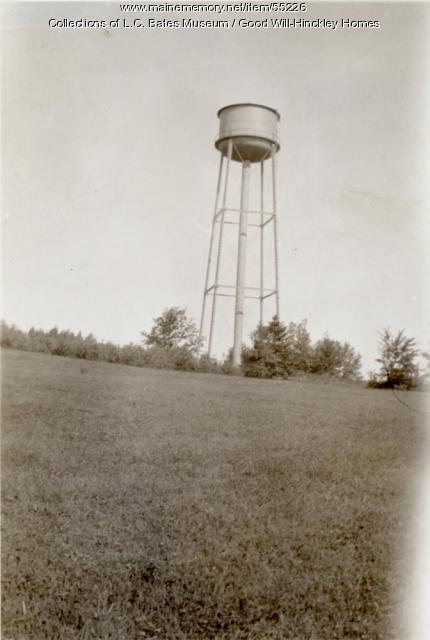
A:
398,361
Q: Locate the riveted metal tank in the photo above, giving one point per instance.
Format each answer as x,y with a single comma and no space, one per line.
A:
253,128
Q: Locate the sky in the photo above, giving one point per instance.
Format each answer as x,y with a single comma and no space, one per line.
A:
109,170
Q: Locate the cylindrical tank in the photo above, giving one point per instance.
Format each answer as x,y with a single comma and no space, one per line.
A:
253,128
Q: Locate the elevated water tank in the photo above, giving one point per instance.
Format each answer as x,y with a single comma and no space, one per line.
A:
253,128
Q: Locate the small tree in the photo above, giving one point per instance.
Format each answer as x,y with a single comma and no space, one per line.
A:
299,347
173,330
337,359
351,363
279,340
397,360
259,361
268,356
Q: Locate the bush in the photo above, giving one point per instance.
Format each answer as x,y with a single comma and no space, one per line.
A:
337,359
206,364
398,362
183,359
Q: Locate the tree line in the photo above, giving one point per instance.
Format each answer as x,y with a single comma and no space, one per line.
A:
281,350
277,350
171,344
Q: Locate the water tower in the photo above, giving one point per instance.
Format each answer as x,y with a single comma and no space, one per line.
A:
248,134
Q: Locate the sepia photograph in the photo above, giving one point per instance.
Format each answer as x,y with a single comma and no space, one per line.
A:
215,320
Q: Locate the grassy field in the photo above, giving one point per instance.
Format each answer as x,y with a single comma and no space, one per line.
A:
153,504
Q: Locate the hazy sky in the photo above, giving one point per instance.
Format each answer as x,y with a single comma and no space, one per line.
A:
109,169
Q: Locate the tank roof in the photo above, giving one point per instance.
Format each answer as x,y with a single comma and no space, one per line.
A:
249,104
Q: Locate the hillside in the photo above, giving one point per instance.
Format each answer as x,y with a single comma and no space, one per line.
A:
140,503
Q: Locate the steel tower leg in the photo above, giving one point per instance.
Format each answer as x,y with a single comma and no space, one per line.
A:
211,242
220,239
261,241
275,227
241,264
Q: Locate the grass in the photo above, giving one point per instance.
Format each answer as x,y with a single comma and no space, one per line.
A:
161,505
